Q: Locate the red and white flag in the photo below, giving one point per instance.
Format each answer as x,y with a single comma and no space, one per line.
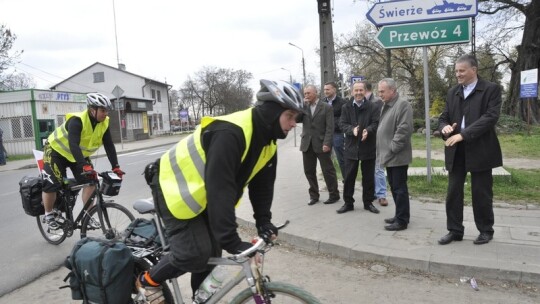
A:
38,155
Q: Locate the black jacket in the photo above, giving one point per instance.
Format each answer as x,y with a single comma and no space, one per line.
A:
482,149
337,104
367,117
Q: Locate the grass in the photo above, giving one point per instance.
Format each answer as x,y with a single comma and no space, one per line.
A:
522,187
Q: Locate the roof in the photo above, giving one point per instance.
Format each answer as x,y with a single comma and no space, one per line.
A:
111,67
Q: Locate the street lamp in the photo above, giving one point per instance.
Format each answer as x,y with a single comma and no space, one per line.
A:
290,75
303,62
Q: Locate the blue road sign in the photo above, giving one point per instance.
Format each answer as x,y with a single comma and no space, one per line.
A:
356,78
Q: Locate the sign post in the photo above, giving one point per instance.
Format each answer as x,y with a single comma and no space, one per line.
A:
529,89
117,92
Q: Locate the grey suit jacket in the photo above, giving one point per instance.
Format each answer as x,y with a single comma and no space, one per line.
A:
318,129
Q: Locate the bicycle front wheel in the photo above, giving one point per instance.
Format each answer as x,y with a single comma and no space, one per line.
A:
118,220
279,293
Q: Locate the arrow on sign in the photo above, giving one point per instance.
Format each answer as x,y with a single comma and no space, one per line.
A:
424,33
399,12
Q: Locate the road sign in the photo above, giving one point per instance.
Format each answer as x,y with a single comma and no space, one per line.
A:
529,84
424,33
356,78
399,12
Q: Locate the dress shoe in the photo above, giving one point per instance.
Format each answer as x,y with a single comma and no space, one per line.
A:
447,239
345,208
483,238
390,220
371,208
331,201
383,202
312,201
395,226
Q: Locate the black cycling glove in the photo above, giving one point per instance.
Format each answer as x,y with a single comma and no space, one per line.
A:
266,230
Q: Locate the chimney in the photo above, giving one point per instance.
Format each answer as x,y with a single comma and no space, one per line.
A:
121,66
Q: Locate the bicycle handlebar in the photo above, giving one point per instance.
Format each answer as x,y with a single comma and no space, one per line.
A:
257,246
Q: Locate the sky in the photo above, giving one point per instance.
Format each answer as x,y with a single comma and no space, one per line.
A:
169,40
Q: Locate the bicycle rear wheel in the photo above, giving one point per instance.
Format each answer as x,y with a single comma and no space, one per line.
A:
119,218
55,237
281,293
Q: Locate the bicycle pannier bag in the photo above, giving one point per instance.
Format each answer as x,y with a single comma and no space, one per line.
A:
143,233
30,189
111,184
102,271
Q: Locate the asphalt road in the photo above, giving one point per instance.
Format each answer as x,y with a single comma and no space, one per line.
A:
25,254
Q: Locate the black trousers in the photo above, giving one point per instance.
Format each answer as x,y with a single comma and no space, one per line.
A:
329,173
368,180
482,197
397,178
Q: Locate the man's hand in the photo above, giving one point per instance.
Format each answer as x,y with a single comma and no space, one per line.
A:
88,171
355,131
268,232
118,172
454,139
326,148
364,135
447,130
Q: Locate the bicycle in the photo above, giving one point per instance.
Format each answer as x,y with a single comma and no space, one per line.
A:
97,218
260,289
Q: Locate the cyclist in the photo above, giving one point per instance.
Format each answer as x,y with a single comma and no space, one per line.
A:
71,145
200,180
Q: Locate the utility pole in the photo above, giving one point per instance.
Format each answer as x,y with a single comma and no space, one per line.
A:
328,53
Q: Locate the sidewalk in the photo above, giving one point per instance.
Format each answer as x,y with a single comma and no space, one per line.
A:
513,255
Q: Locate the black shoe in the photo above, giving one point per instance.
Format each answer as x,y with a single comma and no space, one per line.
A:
312,201
483,238
345,208
395,226
371,208
447,239
331,201
390,220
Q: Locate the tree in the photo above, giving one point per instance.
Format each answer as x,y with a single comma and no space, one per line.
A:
217,91
17,81
503,15
7,60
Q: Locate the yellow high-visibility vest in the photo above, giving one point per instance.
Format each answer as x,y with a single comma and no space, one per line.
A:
181,169
91,139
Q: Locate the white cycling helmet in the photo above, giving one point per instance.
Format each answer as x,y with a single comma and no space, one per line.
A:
98,100
281,92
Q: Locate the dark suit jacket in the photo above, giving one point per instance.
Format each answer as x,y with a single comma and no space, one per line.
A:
337,104
482,149
367,118
317,129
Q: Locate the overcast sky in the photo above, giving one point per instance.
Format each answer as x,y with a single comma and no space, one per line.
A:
167,40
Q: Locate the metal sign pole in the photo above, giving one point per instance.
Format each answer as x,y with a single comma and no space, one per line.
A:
117,92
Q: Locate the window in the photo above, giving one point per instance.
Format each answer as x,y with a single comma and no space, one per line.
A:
159,96
134,120
153,94
99,77
21,128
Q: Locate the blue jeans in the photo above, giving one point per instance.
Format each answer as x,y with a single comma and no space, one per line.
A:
380,181
339,147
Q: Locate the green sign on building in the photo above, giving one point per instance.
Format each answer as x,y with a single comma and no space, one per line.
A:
425,33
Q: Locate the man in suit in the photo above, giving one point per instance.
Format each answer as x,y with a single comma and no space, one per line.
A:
380,177
467,125
359,121
316,144
330,92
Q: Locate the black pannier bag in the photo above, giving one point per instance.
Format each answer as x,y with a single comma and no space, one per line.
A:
142,233
111,183
30,189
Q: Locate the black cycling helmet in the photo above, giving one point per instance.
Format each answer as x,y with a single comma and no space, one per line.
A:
281,92
98,100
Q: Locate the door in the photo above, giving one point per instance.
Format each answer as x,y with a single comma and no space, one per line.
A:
46,127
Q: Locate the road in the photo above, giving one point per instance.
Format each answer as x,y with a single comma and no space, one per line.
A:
332,281
25,254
